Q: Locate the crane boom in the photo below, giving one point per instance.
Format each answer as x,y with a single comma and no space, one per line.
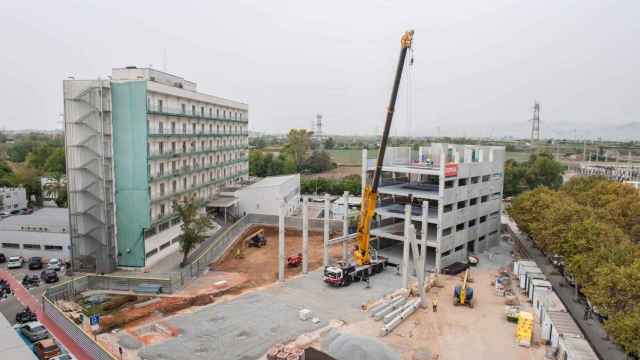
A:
370,192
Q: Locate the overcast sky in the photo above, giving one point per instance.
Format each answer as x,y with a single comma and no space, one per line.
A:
478,65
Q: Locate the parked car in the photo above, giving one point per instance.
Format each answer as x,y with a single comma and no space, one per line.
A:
2,258
46,349
49,276
28,211
54,264
34,331
15,262
35,263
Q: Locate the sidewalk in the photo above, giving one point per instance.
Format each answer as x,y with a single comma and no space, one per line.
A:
28,300
592,329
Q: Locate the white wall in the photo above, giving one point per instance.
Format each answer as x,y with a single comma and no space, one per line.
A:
10,237
266,200
12,199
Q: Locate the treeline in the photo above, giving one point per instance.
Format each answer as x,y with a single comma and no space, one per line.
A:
351,183
539,170
297,156
594,224
25,159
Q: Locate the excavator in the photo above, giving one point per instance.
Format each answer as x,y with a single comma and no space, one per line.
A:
366,262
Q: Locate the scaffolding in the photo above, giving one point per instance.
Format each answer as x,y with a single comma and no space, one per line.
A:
87,116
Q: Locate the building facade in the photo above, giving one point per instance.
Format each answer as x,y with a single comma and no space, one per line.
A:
135,144
460,184
43,233
12,199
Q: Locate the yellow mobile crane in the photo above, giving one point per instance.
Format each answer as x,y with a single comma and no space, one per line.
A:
364,265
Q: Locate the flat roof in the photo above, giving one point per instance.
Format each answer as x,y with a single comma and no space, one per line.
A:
11,345
47,216
564,324
273,181
223,201
579,349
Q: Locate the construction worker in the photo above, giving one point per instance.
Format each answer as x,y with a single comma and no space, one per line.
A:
435,304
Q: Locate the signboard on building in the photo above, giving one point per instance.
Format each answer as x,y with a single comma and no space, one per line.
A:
451,169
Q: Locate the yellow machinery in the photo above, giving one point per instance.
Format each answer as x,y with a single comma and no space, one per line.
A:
463,294
364,266
370,192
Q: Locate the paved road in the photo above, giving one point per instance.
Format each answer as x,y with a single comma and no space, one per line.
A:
592,329
27,299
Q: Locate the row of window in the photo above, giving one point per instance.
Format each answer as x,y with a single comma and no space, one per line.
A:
173,147
185,129
196,163
31,246
162,247
449,184
195,110
466,225
471,202
194,180
460,247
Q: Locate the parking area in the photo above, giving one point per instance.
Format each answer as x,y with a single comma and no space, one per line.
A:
10,305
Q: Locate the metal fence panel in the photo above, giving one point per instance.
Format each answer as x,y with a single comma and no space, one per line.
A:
80,337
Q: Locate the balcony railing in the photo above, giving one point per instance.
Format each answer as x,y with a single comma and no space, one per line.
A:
198,187
168,132
154,109
193,169
174,154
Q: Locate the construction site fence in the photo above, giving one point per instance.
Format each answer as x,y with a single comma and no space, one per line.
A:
220,243
68,291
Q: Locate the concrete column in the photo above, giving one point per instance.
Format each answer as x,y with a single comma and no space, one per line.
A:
305,234
364,170
405,246
281,258
345,224
325,260
423,253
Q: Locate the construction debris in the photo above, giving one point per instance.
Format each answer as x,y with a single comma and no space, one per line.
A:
304,314
282,352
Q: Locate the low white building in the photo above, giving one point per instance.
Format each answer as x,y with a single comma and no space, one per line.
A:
12,199
571,348
44,233
267,195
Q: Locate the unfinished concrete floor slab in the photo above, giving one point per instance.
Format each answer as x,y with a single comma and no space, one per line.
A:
245,327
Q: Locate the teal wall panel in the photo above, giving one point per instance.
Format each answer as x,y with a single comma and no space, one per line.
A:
130,131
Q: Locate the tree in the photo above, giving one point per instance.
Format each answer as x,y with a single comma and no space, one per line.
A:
514,173
539,170
29,178
298,145
318,162
329,143
543,170
55,163
6,175
194,225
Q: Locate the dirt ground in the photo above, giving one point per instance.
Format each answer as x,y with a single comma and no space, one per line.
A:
458,333
260,265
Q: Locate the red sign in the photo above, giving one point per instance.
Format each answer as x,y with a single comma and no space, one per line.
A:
451,169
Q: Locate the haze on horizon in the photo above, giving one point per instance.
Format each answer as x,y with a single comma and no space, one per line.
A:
479,65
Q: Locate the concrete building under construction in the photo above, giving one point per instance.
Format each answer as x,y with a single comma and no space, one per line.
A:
135,144
457,187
